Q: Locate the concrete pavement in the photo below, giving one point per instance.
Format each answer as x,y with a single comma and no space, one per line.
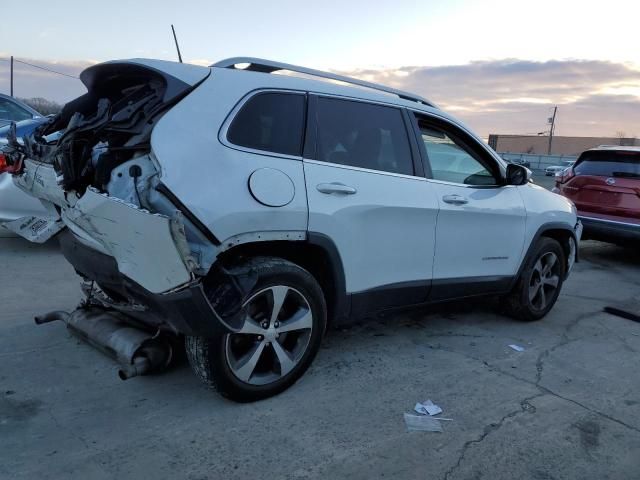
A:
567,407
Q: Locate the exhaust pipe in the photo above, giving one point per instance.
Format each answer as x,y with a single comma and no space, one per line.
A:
137,351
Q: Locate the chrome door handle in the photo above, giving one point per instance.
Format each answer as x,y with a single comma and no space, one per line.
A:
335,187
455,199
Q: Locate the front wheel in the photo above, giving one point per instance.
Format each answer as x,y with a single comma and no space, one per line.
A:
539,284
285,320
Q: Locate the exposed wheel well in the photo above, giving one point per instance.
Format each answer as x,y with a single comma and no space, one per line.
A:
316,259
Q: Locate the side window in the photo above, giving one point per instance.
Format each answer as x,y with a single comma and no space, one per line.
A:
450,160
363,135
270,121
11,111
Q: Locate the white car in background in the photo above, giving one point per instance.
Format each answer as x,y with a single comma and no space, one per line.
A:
244,211
14,203
555,169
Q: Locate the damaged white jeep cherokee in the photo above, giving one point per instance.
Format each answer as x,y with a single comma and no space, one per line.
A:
242,209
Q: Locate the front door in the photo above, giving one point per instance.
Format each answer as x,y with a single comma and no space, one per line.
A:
481,225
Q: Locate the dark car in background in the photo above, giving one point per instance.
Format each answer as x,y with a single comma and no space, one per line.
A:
518,161
13,110
604,184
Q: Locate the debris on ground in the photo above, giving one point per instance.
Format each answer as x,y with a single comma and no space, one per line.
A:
624,312
422,423
427,408
425,421
517,348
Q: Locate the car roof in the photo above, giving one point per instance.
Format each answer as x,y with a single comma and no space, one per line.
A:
284,74
267,74
620,148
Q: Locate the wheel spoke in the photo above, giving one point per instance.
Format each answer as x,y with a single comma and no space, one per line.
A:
286,362
303,319
279,294
552,281
549,263
543,298
538,266
533,291
251,327
249,362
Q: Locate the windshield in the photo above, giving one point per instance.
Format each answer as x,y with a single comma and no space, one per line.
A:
609,164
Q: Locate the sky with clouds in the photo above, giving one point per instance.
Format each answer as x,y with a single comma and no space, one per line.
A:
498,65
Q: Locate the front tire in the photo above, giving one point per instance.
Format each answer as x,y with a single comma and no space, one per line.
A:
539,284
286,317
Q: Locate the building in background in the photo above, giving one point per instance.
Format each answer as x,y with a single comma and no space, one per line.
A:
539,145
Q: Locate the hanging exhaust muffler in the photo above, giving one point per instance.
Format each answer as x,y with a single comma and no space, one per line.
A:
137,351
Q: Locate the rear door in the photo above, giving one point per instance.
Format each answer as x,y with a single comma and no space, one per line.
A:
606,183
367,192
481,224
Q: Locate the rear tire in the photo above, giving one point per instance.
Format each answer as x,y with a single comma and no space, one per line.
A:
539,284
287,318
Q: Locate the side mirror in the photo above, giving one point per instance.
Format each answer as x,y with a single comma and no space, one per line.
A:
517,174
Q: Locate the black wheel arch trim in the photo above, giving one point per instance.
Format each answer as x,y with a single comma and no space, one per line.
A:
547,227
342,301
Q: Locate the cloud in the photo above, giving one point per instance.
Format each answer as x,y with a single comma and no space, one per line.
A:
31,82
516,96
595,98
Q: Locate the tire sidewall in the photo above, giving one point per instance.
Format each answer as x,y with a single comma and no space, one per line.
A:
544,245
288,275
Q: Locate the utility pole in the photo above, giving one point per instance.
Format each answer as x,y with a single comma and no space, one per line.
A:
11,76
175,39
553,126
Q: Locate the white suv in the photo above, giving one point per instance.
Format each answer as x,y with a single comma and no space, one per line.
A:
246,210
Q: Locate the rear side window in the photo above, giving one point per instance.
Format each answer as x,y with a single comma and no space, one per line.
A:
363,135
270,121
608,164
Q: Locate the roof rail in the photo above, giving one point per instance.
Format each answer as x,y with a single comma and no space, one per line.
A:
268,66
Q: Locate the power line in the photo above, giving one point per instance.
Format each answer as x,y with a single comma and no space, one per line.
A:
41,68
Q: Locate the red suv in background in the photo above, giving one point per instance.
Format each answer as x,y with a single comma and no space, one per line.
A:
604,184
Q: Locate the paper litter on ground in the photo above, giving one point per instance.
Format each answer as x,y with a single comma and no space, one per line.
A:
421,423
427,408
517,348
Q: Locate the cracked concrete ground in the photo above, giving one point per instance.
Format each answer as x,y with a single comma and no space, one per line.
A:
568,407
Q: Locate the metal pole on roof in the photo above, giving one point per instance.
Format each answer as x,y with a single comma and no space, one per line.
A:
175,39
11,76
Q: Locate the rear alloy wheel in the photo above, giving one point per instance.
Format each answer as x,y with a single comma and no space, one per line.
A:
539,285
285,319
274,338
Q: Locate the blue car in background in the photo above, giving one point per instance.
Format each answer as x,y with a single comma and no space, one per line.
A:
13,110
23,127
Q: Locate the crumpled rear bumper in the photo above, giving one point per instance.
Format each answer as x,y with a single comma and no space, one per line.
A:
136,256
150,249
187,310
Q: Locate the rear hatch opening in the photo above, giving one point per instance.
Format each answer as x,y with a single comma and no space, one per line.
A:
93,167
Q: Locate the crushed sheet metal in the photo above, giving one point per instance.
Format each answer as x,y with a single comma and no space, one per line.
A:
141,242
40,180
35,229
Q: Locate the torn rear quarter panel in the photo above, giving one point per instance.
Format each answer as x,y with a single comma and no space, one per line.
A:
141,242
